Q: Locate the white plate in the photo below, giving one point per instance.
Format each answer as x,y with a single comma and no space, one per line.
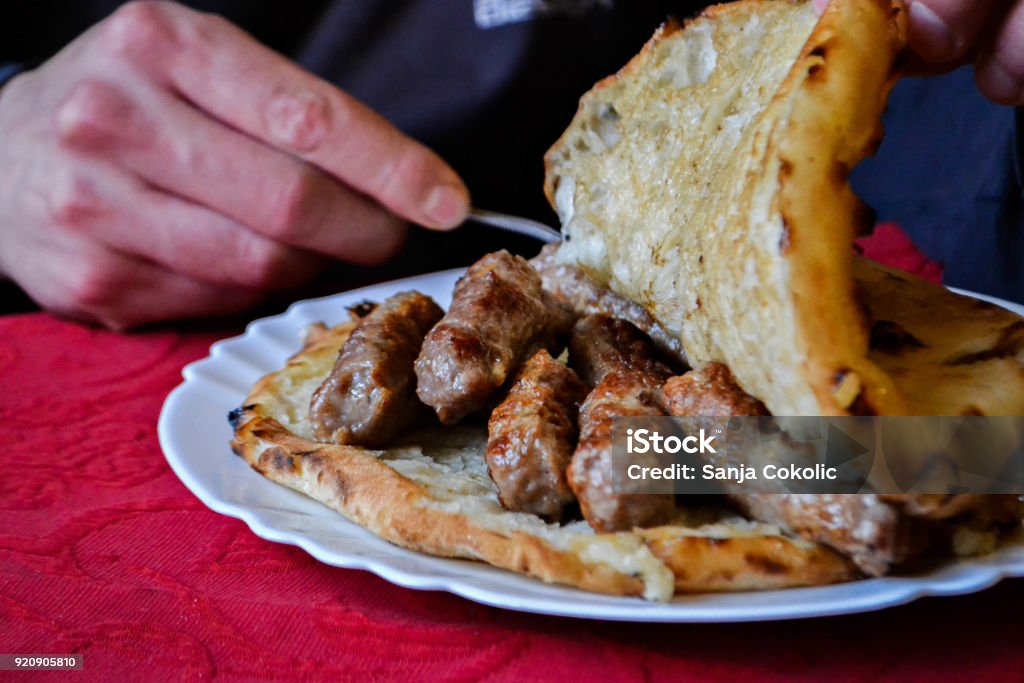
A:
194,434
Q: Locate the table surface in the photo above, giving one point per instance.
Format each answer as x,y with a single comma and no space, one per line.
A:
104,552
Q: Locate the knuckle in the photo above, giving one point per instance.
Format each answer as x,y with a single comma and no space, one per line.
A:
136,29
299,121
74,200
84,115
291,205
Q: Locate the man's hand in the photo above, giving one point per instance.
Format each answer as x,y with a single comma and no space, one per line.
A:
945,34
166,165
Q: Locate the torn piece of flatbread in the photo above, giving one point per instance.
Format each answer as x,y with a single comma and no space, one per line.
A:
707,181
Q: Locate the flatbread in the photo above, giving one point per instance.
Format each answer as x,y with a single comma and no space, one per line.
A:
947,354
431,493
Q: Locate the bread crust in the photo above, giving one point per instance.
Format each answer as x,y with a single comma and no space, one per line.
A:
410,511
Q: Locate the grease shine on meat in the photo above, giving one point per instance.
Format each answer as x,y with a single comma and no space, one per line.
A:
531,436
622,365
499,316
370,396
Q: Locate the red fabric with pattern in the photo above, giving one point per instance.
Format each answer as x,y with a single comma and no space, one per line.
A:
104,552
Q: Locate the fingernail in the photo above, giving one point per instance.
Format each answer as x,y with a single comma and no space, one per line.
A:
447,206
929,34
1001,85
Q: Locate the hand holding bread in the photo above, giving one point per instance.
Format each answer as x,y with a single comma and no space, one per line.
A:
945,34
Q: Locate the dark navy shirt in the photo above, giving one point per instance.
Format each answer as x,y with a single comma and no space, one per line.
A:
490,84
949,172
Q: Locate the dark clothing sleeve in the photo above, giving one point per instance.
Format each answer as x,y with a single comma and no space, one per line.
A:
36,30
949,172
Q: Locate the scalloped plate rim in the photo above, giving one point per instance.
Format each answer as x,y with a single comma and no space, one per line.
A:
357,548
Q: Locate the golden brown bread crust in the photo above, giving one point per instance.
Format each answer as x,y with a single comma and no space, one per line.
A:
696,562
427,504
378,498
948,354
875,531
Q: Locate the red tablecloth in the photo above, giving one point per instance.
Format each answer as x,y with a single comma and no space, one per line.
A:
103,552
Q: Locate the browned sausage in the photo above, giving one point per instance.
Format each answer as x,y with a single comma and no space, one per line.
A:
599,345
622,365
625,393
500,316
572,286
709,392
531,437
370,396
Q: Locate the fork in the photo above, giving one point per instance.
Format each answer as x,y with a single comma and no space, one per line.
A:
523,226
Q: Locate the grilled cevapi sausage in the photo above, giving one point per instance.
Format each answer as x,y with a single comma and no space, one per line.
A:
591,473
600,344
499,317
572,286
709,392
622,364
531,437
370,395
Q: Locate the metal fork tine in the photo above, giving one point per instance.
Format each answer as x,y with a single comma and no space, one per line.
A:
518,224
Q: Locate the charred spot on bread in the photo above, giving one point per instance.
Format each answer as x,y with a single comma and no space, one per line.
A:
765,564
236,415
816,71
362,309
276,459
785,169
1010,342
892,338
